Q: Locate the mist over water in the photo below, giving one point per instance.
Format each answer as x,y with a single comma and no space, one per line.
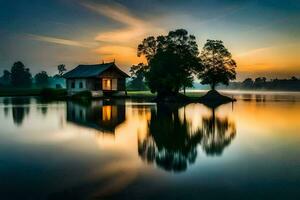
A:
109,148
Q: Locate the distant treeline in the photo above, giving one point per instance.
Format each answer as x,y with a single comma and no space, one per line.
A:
20,76
261,83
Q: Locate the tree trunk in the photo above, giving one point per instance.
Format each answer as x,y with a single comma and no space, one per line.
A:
213,86
184,90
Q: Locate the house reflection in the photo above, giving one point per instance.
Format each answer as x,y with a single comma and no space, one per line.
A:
171,142
101,115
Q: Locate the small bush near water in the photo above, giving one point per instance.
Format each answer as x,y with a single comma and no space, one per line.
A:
53,93
82,95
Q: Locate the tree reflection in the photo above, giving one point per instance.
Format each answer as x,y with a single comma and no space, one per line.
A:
43,105
171,143
20,108
217,133
6,108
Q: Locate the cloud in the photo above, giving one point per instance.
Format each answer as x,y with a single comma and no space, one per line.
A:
114,11
61,41
120,43
253,51
134,28
280,58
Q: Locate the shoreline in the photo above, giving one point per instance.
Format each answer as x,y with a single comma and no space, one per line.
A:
132,94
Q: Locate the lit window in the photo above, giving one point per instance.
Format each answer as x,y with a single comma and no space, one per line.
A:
106,84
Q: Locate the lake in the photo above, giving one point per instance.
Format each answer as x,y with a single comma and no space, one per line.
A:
126,149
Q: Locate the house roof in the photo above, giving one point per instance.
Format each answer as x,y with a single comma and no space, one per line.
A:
89,71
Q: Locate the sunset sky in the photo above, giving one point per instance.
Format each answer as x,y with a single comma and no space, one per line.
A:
263,35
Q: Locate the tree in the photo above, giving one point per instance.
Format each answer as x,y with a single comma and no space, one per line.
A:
20,76
61,69
6,77
148,48
248,83
294,78
172,60
260,82
41,79
138,76
218,65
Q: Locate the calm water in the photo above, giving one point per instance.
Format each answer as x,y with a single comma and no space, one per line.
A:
140,150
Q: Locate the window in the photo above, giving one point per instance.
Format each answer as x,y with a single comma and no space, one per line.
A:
72,84
80,85
106,84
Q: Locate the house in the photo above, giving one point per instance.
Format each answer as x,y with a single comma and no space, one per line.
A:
101,79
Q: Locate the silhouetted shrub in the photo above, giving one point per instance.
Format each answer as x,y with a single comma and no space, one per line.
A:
82,95
53,93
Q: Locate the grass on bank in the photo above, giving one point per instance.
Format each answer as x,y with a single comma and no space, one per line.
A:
47,92
20,91
149,94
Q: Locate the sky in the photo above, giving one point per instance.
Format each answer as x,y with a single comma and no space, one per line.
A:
262,35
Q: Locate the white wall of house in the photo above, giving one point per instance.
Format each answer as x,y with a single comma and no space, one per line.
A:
77,85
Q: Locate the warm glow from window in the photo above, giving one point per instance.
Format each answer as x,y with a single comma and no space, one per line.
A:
106,113
106,83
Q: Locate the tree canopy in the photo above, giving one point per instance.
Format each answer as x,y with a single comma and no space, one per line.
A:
20,75
218,65
41,79
172,60
5,78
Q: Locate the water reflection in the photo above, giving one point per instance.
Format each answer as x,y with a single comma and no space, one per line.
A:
217,133
43,106
19,108
102,115
171,142
150,141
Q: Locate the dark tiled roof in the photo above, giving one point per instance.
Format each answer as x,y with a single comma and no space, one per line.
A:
85,71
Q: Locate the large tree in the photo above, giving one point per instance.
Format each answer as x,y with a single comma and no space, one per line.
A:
20,75
218,65
172,60
41,79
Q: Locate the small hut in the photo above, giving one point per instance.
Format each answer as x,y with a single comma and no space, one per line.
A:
100,79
